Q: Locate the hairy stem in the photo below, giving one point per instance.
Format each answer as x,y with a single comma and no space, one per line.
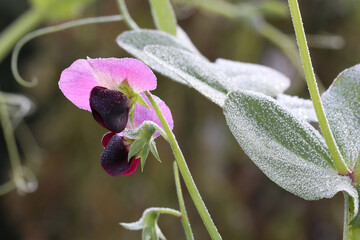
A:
313,88
185,172
184,218
348,215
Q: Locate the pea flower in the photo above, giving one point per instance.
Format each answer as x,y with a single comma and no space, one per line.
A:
111,89
108,87
114,158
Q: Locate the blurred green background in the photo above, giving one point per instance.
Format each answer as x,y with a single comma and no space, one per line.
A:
76,199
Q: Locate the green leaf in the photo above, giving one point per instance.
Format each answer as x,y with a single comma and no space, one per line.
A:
342,107
200,74
254,77
59,10
301,108
289,151
163,15
134,43
356,220
144,155
154,150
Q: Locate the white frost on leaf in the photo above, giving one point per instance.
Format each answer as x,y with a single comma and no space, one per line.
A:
135,41
253,77
289,151
200,74
342,107
301,108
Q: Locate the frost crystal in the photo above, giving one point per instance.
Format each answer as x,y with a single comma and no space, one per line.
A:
301,108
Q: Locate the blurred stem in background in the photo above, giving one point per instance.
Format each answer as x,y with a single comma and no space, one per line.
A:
253,16
22,25
22,177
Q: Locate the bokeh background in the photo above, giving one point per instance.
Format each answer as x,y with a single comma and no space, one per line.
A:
76,199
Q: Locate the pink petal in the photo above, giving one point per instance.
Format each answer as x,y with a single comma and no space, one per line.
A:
110,72
76,83
142,114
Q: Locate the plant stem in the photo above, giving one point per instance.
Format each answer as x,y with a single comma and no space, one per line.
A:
52,29
168,211
7,187
127,18
25,23
313,89
184,170
13,152
348,215
184,218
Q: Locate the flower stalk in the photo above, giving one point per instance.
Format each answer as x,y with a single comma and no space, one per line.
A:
185,172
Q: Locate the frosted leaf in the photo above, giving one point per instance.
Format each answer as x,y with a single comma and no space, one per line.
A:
254,77
135,41
342,107
289,151
200,74
301,108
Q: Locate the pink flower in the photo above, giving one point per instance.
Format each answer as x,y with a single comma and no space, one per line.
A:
111,88
107,87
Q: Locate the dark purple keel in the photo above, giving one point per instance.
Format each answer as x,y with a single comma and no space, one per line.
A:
110,108
114,158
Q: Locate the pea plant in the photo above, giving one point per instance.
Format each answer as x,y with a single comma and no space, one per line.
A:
271,127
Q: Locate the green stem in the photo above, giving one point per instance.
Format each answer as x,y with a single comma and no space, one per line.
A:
313,89
184,170
127,18
7,187
184,218
168,211
24,24
47,30
348,216
13,152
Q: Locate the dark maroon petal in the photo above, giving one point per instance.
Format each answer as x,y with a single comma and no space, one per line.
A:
106,138
109,108
114,158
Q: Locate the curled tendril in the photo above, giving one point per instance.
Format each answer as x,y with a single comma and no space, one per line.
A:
47,30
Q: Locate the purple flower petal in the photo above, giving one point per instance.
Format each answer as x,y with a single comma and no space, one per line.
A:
76,83
110,72
110,108
114,158
142,114
106,138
